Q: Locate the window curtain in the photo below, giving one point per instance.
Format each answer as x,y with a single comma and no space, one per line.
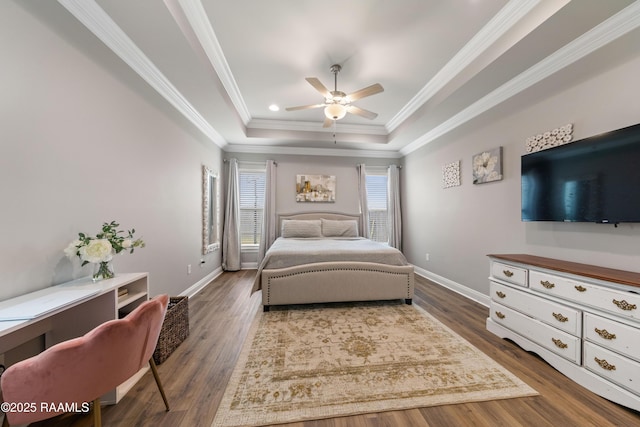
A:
394,214
231,233
362,195
268,232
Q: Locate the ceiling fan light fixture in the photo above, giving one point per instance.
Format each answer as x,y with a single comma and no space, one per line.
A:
335,111
336,103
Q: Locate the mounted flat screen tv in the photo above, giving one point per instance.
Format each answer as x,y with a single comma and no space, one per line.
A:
595,179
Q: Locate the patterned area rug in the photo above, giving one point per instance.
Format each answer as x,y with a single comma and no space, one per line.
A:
320,361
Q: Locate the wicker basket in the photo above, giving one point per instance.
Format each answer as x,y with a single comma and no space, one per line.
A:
175,328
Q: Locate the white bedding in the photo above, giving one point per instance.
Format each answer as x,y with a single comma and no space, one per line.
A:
289,252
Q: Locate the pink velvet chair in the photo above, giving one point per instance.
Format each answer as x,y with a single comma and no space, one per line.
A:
83,369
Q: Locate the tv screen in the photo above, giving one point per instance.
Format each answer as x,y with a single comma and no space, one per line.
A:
596,179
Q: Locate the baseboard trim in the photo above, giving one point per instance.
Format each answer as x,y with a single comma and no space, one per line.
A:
476,296
442,281
202,283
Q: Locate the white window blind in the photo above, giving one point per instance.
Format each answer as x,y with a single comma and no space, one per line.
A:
377,206
252,189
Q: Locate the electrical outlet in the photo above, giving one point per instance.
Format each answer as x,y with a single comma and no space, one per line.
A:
426,257
189,269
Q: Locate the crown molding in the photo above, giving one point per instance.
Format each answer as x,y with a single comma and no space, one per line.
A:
309,151
502,22
96,20
616,26
197,17
301,126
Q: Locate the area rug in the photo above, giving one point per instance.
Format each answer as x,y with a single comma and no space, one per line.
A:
318,361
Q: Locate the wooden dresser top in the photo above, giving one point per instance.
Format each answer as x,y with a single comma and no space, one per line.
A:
601,273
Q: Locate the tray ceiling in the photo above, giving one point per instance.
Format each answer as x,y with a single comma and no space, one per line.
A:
442,64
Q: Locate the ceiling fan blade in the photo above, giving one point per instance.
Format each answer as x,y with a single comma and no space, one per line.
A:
327,122
367,91
319,86
361,112
304,107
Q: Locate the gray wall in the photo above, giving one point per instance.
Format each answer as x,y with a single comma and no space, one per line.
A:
81,142
79,146
459,226
344,169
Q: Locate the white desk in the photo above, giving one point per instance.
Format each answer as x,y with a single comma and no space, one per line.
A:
70,310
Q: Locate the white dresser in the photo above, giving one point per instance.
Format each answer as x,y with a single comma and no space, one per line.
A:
583,320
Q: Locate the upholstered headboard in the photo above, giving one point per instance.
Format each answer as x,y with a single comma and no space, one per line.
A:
335,216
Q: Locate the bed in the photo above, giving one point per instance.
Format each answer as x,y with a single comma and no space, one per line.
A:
320,257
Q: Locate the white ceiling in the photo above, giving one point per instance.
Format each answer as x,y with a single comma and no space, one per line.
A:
441,62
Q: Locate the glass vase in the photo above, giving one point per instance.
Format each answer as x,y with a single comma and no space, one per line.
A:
103,270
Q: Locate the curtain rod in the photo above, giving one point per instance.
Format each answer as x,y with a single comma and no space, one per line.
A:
250,163
381,166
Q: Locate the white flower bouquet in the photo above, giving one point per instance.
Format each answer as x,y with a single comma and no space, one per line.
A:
99,250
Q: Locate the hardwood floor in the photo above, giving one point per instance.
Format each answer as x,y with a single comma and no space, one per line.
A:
195,375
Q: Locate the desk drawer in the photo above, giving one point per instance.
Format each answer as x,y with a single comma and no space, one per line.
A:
509,273
557,315
613,335
612,366
552,339
612,300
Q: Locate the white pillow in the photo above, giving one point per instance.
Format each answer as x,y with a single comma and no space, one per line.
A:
344,228
301,228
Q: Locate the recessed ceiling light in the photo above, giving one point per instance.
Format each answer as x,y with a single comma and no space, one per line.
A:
274,107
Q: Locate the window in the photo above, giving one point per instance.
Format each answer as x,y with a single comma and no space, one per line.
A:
376,184
252,183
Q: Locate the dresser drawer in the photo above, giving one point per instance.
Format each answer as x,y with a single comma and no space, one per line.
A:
557,315
553,339
613,335
612,366
509,273
612,300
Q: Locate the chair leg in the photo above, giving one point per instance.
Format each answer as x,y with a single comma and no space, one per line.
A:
158,382
97,415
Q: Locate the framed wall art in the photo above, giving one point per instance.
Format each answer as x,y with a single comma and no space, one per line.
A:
487,166
316,188
451,174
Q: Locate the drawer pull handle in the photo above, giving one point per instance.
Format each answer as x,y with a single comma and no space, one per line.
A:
605,334
507,273
501,294
547,284
580,288
500,315
560,318
604,364
558,343
624,305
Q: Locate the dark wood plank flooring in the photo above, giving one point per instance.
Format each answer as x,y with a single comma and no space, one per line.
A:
196,374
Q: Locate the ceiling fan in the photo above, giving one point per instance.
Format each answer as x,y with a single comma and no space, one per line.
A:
336,103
